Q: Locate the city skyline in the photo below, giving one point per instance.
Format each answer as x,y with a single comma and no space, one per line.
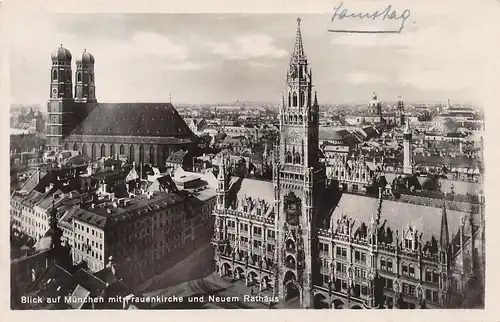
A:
208,58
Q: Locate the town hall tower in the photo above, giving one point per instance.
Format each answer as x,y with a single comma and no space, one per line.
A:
297,175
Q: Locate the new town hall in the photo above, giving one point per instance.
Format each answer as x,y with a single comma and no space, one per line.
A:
302,237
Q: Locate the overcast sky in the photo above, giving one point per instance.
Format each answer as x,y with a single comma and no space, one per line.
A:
210,58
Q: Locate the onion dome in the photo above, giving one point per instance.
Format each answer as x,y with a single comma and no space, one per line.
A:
61,54
86,58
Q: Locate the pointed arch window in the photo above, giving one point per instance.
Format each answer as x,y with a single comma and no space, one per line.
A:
131,155
79,77
54,74
91,77
141,154
288,157
294,99
84,149
289,99
122,149
94,152
151,154
301,119
297,158
302,98
111,150
75,147
103,150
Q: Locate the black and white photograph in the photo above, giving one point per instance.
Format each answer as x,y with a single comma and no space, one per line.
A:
187,161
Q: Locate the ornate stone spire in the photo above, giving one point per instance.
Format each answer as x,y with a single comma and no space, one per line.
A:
298,50
444,237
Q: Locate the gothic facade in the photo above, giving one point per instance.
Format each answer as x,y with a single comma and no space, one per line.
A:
301,237
144,132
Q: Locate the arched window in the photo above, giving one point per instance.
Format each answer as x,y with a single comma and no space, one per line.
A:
435,277
122,149
291,119
295,118
151,155
404,269
94,152
68,75
91,77
297,158
84,149
141,154
131,155
382,264
65,146
75,147
103,150
111,150
54,74
428,275
79,77
288,157
301,119
411,270
294,99
302,98
289,99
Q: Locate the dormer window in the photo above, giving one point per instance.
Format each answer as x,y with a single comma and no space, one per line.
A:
408,244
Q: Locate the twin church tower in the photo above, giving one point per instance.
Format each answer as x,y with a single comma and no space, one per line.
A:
61,85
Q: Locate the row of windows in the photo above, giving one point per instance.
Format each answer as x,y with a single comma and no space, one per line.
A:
88,230
409,270
93,243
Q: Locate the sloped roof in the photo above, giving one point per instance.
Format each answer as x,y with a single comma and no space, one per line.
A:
81,294
427,220
336,135
132,119
258,189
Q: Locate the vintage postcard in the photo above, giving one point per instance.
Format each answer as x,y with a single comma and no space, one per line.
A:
250,159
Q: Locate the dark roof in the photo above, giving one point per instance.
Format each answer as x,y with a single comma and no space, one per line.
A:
177,157
131,119
459,161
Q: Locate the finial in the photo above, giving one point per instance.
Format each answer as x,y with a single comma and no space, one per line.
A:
298,21
61,45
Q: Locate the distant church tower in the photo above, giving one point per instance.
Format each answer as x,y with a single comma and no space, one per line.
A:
297,177
400,112
375,106
61,95
84,78
407,150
